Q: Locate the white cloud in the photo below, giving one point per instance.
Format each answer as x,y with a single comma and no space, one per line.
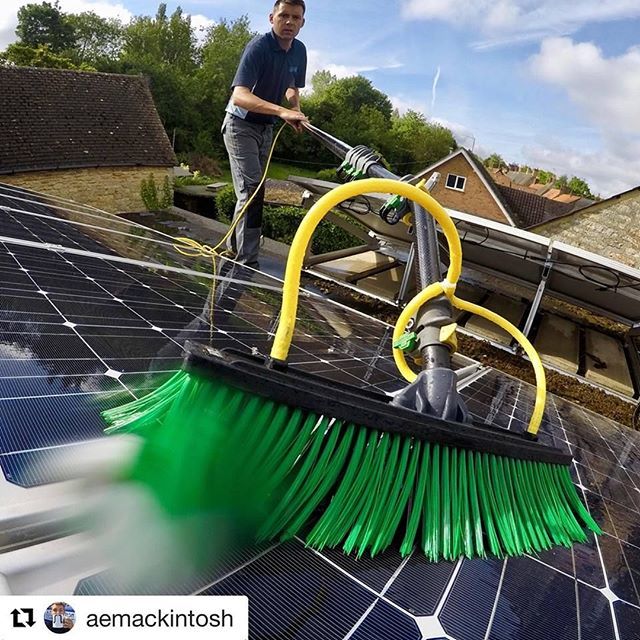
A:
403,104
104,9
463,135
607,90
607,172
201,24
321,61
9,14
506,21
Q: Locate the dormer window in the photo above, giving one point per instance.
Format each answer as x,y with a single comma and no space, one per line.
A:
455,182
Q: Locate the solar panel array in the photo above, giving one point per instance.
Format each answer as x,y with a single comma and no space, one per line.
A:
82,330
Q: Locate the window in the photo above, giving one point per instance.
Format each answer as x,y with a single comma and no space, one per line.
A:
456,182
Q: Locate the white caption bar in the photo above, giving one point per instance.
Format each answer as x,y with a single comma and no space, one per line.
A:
124,617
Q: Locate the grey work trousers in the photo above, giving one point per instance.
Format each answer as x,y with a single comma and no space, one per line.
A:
248,147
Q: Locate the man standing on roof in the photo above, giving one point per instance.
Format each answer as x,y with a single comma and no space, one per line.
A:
273,66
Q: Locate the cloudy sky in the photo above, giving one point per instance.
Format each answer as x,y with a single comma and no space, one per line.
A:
549,83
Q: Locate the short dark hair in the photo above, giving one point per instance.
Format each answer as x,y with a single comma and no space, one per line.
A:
297,3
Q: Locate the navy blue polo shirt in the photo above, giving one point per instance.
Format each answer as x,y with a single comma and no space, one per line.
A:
268,71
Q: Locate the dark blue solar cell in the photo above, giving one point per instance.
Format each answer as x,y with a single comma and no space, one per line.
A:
21,387
595,614
374,572
32,423
588,565
628,619
617,568
535,602
468,607
117,346
384,622
106,582
295,595
420,585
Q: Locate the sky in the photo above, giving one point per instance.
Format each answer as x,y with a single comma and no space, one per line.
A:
553,84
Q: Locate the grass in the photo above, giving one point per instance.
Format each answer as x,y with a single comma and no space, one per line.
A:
277,171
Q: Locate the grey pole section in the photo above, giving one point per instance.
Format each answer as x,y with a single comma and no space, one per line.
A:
437,312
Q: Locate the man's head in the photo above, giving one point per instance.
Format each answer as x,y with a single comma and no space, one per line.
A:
287,19
57,609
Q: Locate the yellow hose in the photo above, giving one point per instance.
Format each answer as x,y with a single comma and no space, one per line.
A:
314,216
318,211
436,289
541,380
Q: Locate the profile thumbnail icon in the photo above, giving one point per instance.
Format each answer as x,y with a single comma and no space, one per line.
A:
59,617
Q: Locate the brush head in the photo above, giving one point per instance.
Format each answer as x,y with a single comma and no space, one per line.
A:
298,389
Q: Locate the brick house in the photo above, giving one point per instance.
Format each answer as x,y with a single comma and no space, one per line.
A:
89,137
609,228
466,185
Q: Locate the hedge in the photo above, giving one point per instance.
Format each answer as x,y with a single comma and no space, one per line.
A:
281,223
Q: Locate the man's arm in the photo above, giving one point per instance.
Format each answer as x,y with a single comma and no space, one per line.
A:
293,98
244,99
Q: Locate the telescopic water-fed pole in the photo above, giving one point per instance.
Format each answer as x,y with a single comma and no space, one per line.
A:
434,392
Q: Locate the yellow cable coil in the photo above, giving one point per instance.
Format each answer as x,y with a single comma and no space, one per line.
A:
319,210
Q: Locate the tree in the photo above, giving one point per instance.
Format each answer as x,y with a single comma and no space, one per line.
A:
45,24
579,187
98,41
320,82
160,42
561,183
351,109
22,55
164,49
417,143
220,55
545,177
495,161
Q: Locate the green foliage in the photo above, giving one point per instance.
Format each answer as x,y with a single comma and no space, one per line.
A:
45,24
164,49
156,199
219,58
330,175
23,55
352,109
225,203
196,179
321,81
282,170
97,40
545,177
561,183
281,223
495,161
579,187
418,143
160,41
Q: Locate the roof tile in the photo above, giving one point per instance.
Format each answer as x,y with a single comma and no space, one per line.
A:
58,119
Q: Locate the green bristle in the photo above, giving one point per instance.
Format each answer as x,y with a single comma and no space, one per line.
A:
284,472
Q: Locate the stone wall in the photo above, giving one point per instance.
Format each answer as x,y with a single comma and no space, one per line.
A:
113,189
610,228
475,199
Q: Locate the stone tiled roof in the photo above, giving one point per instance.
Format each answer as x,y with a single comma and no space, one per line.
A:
59,119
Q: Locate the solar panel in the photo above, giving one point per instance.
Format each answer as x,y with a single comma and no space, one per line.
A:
91,316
